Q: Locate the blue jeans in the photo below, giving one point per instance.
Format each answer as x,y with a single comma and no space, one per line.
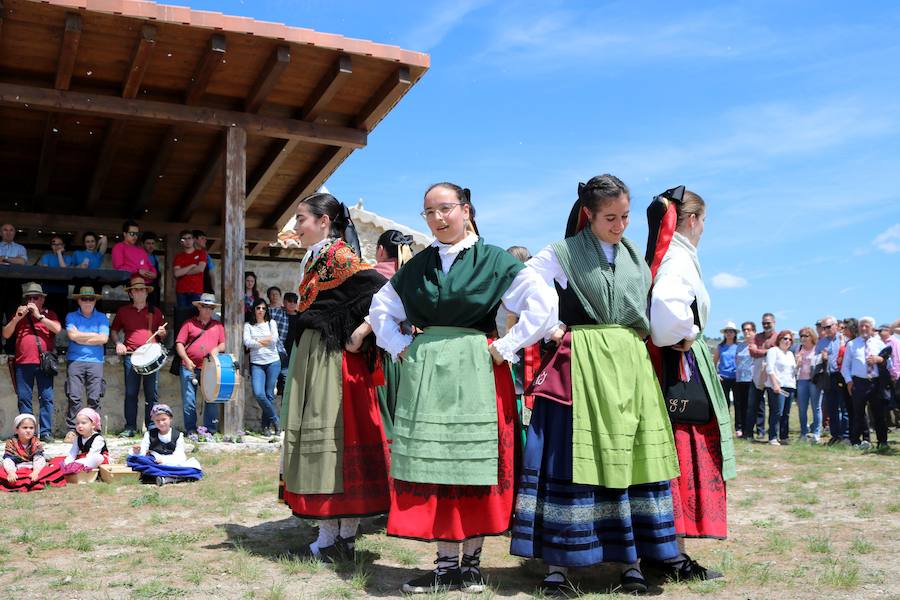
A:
264,378
838,418
132,388
779,412
26,377
808,396
756,413
189,402
186,298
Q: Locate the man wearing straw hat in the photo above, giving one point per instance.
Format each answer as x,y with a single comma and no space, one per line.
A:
88,331
33,330
199,337
140,322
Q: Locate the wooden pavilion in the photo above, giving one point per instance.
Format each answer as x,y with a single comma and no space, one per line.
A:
182,119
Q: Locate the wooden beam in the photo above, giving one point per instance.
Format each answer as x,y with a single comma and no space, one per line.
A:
268,78
139,62
167,112
214,57
69,222
65,65
1,19
201,186
233,264
327,88
387,95
282,149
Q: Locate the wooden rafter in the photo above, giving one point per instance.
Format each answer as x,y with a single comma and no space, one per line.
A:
268,79
282,149
65,65
1,19
139,63
387,95
212,59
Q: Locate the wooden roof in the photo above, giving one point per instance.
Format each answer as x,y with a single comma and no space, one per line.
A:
117,108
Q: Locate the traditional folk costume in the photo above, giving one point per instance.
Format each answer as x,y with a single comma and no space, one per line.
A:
679,309
599,456
162,458
24,459
454,450
335,460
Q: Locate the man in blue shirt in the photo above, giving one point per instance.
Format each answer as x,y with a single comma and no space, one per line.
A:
860,372
838,418
88,331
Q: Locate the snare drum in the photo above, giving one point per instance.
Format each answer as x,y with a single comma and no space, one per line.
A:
148,359
219,378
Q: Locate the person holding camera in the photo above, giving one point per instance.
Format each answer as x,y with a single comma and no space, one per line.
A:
34,329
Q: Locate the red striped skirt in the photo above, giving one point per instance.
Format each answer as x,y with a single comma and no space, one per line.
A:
365,457
698,494
51,476
453,513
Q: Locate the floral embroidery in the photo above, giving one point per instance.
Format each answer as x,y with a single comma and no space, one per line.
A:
333,265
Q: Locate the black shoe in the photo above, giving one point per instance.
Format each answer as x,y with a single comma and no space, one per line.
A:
127,433
633,582
434,582
558,589
167,480
46,438
685,570
471,580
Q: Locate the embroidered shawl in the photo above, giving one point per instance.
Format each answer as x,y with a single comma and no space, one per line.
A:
18,453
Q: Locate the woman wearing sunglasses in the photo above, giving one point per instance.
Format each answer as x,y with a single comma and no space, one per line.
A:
781,385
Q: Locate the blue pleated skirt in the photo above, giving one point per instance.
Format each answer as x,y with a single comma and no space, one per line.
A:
572,525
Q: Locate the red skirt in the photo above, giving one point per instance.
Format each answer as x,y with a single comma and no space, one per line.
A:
51,476
365,458
453,513
698,494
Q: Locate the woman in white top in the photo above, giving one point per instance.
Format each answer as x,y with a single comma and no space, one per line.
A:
261,339
781,385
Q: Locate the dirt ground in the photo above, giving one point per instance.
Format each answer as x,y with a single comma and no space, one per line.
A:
805,522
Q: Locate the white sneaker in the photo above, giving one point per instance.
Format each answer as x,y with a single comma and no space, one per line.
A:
864,445
774,442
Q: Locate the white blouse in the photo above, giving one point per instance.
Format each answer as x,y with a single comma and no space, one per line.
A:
536,304
259,354
94,456
176,459
677,284
783,366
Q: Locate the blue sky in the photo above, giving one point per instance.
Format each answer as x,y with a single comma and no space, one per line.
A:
783,116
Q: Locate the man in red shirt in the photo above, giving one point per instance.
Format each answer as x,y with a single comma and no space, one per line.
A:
139,321
199,337
756,404
188,267
34,328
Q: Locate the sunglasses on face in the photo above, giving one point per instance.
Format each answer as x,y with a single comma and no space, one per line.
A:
87,299
804,335
132,233
32,298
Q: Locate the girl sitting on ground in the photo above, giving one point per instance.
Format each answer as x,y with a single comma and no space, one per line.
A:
160,457
89,450
24,464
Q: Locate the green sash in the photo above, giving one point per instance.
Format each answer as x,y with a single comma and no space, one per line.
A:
445,424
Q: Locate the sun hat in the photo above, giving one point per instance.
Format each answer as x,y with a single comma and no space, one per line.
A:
86,291
729,325
206,300
138,283
32,288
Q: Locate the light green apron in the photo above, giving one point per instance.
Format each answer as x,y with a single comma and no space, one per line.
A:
445,424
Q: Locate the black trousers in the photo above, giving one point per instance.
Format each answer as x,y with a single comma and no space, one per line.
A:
741,391
866,392
756,412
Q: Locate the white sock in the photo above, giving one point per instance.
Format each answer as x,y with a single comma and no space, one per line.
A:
349,528
472,550
328,531
448,556
556,574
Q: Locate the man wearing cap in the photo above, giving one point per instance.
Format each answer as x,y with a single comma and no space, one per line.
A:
33,329
139,322
88,331
199,337
129,255
189,266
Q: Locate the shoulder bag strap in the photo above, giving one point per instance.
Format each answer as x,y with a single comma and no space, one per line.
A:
40,344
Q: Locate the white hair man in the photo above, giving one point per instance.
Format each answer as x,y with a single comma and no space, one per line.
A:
860,372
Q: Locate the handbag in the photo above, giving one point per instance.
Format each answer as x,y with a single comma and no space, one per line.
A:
175,367
49,361
686,397
554,379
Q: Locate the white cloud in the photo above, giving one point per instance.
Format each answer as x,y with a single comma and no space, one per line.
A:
888,240
727,281
436,26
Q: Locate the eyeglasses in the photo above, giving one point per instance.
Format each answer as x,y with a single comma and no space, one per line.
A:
786,339
768,323
442,209
34,297
804,335
187,238
133,233
260,308
747,329
87,299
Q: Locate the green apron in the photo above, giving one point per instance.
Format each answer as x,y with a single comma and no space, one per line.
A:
445,424
720,405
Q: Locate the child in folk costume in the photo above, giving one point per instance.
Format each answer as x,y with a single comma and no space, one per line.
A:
160,457
599,455
453,453
679,309
88,451
24,465
392,251
335,455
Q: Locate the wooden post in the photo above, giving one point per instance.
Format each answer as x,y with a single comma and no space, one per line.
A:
173,247
233,265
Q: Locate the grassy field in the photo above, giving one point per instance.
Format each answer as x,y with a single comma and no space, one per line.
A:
805,522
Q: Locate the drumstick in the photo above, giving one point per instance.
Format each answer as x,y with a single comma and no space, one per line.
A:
154,334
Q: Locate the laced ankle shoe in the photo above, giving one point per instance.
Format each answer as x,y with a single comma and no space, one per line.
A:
471,580
557,585
346,547
438,580
686,569
633,582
